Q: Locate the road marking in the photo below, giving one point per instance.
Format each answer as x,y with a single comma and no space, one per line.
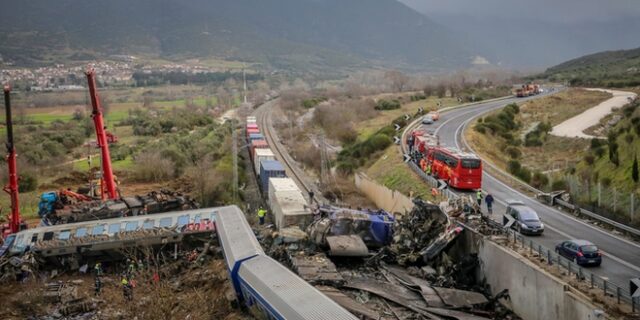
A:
562,233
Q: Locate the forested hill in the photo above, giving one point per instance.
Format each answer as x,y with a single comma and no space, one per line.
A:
619,68
281,33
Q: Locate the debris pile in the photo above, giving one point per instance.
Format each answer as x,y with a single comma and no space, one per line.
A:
153,202
416,232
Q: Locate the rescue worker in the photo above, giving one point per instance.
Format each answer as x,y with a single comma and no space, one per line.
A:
479,197
423,164
98,269
127,291
261,213
410,143
428,171
489,200
131,268
97,286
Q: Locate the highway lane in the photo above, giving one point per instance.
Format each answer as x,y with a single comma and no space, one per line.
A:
622,257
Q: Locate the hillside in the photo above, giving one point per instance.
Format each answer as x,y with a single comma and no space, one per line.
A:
610,69
282,34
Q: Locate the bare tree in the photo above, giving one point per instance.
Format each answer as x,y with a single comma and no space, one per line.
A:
397,79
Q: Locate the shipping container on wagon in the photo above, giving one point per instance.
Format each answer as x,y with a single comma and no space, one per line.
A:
251,119
270,169
252,126
251,131
288,205
257,144
261,155
255,136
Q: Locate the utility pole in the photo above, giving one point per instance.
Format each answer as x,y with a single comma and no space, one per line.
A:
244,80
234,137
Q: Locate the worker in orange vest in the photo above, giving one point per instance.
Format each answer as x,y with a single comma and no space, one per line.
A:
423,164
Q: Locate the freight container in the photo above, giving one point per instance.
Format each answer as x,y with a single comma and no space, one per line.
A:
256,136
252,126
251,119
270,169
257,144
251,131
261,155
288,205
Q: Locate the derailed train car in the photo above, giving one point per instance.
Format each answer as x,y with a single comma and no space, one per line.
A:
264,284
82,240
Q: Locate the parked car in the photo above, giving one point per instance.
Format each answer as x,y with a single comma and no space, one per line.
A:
427,119
435,115
581,252
526,219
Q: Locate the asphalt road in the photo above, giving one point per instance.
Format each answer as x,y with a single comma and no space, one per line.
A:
621,260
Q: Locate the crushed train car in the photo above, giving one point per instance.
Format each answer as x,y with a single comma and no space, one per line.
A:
61,212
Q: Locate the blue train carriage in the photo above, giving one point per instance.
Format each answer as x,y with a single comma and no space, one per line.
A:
96,237
264,284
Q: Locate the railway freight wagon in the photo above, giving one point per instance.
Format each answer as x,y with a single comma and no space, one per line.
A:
270,169
257,144
260,155
288,205
262,283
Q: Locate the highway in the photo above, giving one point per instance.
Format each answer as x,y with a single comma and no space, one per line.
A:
621,260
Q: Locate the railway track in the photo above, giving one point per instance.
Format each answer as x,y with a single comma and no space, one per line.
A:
264,116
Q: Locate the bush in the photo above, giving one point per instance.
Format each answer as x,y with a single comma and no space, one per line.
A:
513,152
589,158
557,185
514,166
27,182
524,174
310,103
383,104
479,127
539,180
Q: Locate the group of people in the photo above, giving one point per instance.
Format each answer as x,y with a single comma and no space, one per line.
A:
127,280
488,199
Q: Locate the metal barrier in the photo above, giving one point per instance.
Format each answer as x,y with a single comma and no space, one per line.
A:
609,288
586,277
598,217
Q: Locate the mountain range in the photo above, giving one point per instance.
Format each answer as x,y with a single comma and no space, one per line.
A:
279,33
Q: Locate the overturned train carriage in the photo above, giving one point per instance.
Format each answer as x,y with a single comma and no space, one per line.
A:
264,284
109,237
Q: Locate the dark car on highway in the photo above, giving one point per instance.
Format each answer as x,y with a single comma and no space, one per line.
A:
526,219
581,252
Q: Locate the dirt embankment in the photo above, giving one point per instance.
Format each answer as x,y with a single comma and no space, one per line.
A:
575,127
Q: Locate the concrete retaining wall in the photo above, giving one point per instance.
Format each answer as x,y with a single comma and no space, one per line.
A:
389,200
535,294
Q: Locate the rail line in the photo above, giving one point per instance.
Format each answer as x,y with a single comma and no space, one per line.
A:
264,115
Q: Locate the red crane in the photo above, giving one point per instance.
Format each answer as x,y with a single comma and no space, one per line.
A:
108,182
12,187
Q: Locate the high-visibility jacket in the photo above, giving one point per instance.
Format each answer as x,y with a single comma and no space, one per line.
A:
479,195
423,164
262,213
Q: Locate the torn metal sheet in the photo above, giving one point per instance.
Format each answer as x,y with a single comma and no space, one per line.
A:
440,243
348,303
394,293
347,246
459,315
460,298
419,285
316,269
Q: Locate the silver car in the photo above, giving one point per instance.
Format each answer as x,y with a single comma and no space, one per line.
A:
427,119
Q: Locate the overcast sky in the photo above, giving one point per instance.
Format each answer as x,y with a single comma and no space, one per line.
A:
545,10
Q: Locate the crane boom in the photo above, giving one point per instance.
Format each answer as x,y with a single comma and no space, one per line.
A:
101,137
12,187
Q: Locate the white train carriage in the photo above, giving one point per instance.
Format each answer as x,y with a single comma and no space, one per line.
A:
264,283
97,235
281,294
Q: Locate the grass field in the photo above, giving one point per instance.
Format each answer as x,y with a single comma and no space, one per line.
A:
556,152
368,127
390,171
